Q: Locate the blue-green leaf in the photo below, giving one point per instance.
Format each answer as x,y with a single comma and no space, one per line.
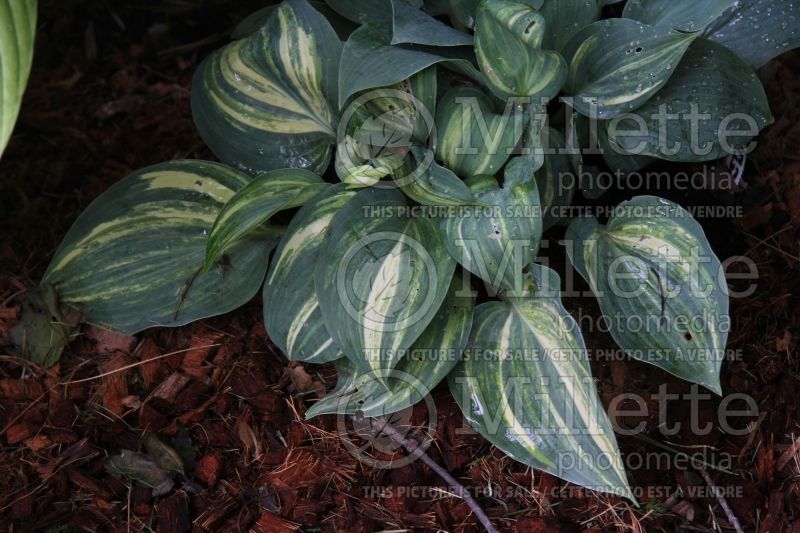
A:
563,19
431,184
684,15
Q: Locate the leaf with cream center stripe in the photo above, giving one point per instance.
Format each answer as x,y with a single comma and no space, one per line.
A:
526,386
134,258
659,286
291,307
254,204
267,101
380,278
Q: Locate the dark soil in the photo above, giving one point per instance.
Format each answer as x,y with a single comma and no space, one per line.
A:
109,94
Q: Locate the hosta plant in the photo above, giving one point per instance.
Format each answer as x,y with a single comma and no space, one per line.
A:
388,169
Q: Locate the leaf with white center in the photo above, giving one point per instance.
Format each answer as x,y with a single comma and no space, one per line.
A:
525,385
684,15
250,207
291,307
616,65
428,183
714,99
473,138
256,20
563,19
267,101
758,30
498,238
134,258
659,286
381,276
17,31
508,44
430,359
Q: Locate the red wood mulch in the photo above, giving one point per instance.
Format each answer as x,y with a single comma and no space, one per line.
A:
109,94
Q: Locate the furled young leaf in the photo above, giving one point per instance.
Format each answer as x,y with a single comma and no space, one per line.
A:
659,286
431,184
556,181
134,257
718,89
563,19
616,65
684,15
432,356
498,238
473,138
508,39
370,61
17,30
758,30
380,278
250,207
526,386
291,307
267,101
401,21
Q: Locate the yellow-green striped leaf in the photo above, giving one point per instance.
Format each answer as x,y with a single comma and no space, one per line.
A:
267,101
291,307
134,258
659,285
380,278
499,237
685,15
251,206
616,65
508,44
712,83
473,138
17,31
432,356
428,183
526,386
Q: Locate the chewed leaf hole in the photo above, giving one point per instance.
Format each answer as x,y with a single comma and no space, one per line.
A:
687,336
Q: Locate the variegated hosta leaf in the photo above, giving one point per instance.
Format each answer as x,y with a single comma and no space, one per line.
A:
291,307
401,21
508,40
267,101
684,15
380,278
758,30
557,179
254,21
472,138
134,258
498,238
563,18
526,386
432,356
617,159
254,204
616,65
369,61
711,83
428,183
17,30
659,286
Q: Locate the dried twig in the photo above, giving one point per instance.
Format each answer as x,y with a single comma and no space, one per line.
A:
732,520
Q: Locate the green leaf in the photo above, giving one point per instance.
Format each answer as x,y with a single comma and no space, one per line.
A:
17,32
616,65
430,184
401,22
430,359
758,30
659,287
134,257
684,15
267,101
473,138
256,20
370,61
563,18
291,307
557,179
496,240
617,159
508,39
712,81
250,207
43,332
526,386
380,278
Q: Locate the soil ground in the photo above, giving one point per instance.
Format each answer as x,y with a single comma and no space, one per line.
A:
109,93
